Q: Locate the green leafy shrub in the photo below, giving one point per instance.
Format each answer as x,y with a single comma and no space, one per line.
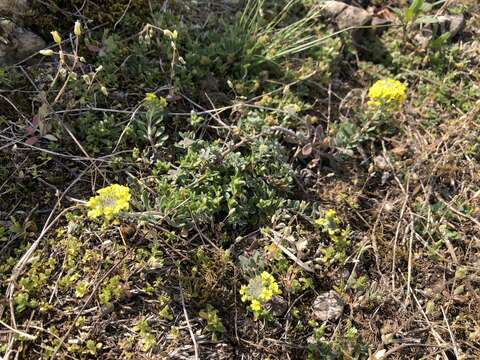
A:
330,224
239,187
214,324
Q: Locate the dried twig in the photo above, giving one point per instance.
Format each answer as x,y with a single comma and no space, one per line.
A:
185,313
290,254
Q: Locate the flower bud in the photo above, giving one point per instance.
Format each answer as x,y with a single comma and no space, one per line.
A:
56,37
104,90
46,52
77,30
168,33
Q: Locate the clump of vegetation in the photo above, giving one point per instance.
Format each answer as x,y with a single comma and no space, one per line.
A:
330,224
214,324
259,290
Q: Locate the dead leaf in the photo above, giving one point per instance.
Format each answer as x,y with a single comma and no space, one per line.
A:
31,141
307,150
50,137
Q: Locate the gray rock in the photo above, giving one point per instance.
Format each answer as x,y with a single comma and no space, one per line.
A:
382,23
16,42
327,306
346,16
277,306
333,8
422,40
451,23
13,7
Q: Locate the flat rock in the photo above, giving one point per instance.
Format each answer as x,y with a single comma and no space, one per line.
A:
13,7
451,23
346,16
327,306
16,42
379,21
277,306
333,8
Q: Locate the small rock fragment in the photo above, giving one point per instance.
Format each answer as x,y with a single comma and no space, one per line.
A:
346,16
380,162
333,8
16,42
327,306
380,23
277,306
352,17
380,354
13,7
451,23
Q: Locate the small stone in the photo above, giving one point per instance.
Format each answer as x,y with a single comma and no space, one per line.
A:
452,23
333,8
422,40
328,306
13,7
380,23
346,16
17,43
277,306
380,354
380,162
352,17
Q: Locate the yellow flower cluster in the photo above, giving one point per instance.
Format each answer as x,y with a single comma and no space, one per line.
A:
260,289
329,222
109,202
152,101
388,92
149,97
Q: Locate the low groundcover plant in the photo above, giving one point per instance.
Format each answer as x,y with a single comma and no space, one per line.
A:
259,290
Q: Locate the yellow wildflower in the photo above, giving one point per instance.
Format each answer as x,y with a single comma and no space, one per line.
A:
243,292
56,37
266,294
274,289
150,97
104,90
109,202
256,306
152,101
259,290
387,92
